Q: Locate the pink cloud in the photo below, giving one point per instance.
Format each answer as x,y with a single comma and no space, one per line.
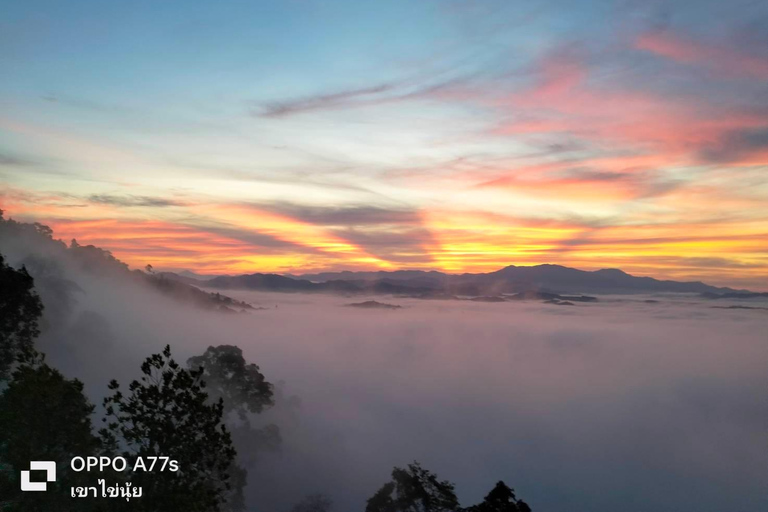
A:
688,51
567,100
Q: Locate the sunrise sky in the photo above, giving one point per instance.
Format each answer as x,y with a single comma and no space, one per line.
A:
283,136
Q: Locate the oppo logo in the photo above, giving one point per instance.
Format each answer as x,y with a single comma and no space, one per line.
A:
42,465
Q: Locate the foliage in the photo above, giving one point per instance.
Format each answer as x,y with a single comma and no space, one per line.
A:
243,389
43,416
501,499
11,227
167,413
95,259
414,489
20,311
227,376
56,291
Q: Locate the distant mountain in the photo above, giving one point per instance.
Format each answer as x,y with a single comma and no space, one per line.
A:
514,279
559,279
736,295
191,294
553,279
192,275
372,304
279,283
430,279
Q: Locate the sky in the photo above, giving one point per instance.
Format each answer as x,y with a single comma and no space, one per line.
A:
464,136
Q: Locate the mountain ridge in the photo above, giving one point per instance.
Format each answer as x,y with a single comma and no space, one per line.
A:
510,279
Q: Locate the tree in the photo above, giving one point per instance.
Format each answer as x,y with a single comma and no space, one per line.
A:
243,389
501,499
95,259
43,416
20,311
414,489
56,291
227,376
167,413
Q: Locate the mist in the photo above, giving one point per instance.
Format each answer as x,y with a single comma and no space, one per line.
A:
616,405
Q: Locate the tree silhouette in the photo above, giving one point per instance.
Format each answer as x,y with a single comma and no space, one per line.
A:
43,416
243,389
167,413
20,311
414,489
501,499
227,376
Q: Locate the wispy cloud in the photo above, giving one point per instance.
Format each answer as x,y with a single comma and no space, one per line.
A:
396,235
573,97
339,99
422,87
134,201
730,62
739,146
81,103
10,160
18,200
345,215
583,182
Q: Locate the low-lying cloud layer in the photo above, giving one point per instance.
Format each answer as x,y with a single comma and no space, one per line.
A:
578,408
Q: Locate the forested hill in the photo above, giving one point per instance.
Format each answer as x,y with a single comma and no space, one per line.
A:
51,262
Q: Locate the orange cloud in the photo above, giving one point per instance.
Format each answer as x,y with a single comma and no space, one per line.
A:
717,252
291,230
723,252
163,244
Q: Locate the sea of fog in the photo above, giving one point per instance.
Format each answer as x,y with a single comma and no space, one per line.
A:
620,405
